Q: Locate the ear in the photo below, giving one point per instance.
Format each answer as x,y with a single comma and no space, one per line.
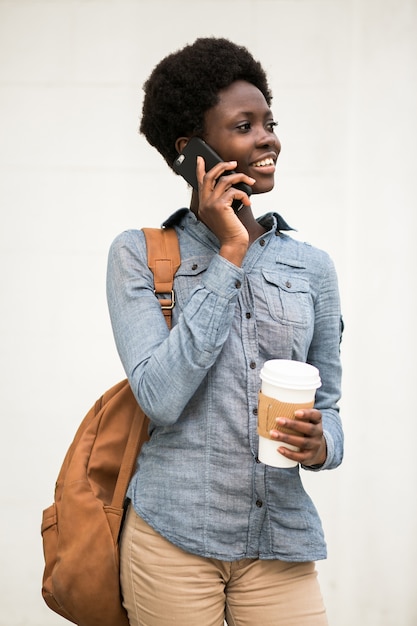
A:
181,143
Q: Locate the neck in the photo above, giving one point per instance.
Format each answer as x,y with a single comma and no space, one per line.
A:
253,227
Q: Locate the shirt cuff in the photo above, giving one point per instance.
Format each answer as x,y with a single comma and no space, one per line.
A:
223,278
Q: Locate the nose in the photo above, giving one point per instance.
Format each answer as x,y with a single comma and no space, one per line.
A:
267,139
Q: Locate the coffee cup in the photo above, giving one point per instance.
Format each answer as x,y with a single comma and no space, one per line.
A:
286,386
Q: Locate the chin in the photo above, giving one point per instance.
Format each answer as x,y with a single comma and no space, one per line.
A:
257,189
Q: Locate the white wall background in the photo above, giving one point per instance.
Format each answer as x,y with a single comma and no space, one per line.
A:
74,173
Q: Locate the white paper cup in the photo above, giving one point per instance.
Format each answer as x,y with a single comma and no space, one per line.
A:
285,387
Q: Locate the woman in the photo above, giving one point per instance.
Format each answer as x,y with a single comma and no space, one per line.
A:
212,533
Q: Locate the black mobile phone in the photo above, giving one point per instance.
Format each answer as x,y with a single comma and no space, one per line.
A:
186,162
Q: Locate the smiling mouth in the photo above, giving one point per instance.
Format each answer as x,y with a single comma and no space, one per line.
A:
264,163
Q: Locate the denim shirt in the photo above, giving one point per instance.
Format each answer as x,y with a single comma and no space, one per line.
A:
198,481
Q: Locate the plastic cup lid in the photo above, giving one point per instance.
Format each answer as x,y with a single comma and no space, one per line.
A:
290,374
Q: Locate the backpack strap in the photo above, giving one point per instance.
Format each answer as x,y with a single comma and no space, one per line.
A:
137,436
163,259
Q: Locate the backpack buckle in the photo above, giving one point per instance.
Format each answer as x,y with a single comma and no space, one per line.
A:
167,303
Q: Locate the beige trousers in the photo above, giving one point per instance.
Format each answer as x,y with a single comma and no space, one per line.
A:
163,585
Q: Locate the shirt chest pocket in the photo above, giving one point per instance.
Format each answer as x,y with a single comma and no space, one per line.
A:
287,296
188,278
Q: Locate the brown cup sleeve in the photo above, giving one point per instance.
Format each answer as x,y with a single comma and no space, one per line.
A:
270,408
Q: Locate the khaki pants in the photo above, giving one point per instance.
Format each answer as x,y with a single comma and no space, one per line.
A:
163,585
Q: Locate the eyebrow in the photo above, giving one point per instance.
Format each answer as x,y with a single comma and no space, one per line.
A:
251,113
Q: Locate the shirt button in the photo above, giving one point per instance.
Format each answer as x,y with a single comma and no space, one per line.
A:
262,242
238,284
194,267
255,411
248,315
252,365
259,503
288,284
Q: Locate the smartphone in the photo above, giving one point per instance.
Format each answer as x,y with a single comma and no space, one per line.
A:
186,162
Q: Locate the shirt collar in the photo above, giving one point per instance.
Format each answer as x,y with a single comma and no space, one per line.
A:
269,220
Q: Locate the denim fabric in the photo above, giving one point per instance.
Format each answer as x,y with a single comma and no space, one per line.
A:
198,480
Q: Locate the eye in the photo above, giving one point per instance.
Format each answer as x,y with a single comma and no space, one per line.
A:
271,125
245,127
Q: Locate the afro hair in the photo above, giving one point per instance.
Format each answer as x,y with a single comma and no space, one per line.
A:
186,84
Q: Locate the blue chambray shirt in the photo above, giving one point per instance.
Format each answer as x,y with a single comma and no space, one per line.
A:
198,480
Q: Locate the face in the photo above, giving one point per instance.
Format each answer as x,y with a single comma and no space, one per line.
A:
241,128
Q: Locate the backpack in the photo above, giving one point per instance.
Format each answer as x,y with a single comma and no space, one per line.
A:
81,529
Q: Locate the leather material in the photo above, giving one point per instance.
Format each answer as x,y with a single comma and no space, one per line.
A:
80,530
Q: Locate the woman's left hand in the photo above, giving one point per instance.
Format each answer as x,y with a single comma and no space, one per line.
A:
307,435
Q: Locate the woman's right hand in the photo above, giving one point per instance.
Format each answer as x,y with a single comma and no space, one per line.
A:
215,196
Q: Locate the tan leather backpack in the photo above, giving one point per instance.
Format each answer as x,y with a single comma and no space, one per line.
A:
80,530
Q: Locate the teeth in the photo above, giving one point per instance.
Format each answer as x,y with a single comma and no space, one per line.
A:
264,162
